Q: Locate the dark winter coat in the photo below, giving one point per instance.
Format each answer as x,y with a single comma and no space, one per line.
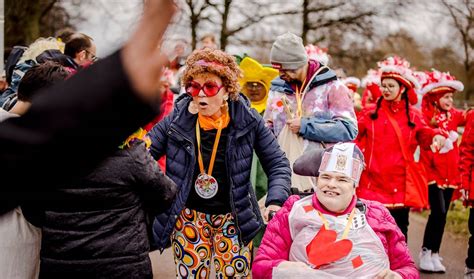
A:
175,137
100,226
46,145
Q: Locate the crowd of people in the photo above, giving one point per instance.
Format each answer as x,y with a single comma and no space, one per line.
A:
278,170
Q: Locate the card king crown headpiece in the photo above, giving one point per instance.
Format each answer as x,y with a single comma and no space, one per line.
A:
341,159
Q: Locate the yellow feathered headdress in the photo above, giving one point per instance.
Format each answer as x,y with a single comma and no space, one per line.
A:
255,72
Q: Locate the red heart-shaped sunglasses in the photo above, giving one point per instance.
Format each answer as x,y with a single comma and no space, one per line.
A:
210,88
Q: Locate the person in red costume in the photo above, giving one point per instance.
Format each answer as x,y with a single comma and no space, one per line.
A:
442,173
389,133
353,84
371,85
466,151
166,107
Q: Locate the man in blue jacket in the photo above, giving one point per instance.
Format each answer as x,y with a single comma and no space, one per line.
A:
307,104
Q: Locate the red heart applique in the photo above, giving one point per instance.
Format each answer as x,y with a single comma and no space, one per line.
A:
324,248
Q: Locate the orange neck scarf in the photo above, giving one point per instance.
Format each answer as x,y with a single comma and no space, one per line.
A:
211,122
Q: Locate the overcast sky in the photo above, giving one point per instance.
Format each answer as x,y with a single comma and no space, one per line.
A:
110,22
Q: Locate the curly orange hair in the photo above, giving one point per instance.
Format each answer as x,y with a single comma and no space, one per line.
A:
216,62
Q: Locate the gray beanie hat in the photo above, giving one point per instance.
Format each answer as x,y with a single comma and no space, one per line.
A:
288,52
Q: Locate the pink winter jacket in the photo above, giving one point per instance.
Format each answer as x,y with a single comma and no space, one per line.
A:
276,243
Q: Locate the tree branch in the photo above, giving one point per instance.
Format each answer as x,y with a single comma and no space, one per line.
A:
251,20
326,8
343,20
457,24
48,8
209,19
213,5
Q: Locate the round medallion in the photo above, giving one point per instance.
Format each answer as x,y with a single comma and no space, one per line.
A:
206,186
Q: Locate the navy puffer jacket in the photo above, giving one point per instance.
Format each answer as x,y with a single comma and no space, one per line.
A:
175,137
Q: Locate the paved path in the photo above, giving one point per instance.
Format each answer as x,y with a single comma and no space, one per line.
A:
453,251
163,265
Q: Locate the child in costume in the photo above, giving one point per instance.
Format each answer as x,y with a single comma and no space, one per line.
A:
441,166
353,84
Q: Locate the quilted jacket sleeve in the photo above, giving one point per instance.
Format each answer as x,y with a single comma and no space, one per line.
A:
159,137
276,243
385,226
342,124
274,163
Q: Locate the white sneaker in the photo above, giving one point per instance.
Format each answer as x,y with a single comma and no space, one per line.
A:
468,273
426,264
438,266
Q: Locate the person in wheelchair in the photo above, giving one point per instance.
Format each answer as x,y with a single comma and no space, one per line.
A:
331,233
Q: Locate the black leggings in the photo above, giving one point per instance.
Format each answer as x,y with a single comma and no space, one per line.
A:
439,203
401,216
470,249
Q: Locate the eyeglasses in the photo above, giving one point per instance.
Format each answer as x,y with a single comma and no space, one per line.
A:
93,57
287,71
388,87
253,85
210,88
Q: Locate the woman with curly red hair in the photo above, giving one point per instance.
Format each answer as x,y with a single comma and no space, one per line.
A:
209,140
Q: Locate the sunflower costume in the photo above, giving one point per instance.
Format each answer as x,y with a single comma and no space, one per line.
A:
254,72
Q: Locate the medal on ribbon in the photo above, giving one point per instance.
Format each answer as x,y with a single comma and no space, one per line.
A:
206,185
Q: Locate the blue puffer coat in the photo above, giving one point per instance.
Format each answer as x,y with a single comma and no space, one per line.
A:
175,137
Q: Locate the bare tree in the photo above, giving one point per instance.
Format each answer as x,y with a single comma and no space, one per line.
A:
321,15
195,12
447,59
250,13
462,15
119,16
230,18
26,20
321,20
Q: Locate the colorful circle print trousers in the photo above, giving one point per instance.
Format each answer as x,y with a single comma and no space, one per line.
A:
200,238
